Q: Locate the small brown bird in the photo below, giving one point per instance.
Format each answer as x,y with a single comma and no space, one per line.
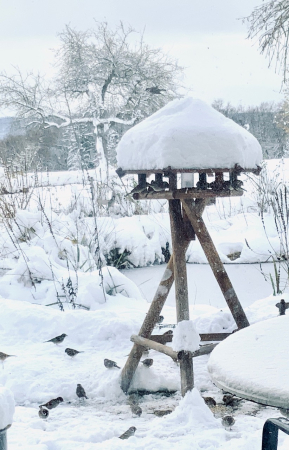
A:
52,403
71,352
162,412
136,409
57,339
110,364
230,400
210,401
80,392
138,189
4,356
148,362
133,399
228,421
130,432
159,186
43,413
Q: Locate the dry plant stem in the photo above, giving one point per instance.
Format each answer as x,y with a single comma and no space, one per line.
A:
90,179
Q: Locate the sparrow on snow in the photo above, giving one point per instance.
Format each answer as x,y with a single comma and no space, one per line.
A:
80,392
109,364
128,433
57,339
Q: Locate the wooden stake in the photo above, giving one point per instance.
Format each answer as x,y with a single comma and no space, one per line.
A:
216,265
152,316
181,288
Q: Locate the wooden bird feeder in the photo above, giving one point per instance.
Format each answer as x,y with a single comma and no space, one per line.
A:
186,206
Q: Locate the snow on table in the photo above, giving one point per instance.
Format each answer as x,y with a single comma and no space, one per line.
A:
7,407
187,133
253,363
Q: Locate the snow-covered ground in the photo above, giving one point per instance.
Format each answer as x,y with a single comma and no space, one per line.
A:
41,370
49,256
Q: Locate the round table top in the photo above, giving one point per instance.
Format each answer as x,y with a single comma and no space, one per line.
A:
253,363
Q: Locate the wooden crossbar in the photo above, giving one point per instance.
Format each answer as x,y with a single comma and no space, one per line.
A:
187,193
176,356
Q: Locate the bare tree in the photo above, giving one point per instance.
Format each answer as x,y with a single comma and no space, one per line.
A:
270,23
105,82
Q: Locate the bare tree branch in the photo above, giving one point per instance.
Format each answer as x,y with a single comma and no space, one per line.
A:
270,23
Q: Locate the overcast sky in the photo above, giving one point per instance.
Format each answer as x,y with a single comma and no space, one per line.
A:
204,35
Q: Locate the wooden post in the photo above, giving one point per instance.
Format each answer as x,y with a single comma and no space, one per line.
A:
152,315
181,288
216,265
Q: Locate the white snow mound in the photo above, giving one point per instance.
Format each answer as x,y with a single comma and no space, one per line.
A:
191,413
188,133
7,407
186,337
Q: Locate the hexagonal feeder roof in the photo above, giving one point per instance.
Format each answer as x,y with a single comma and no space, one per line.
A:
188,134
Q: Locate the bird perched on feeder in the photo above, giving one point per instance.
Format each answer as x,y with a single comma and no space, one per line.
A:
109,364
43,413
148,362
237,184
80,392
58,339
4,356
203,184
71,352
159,185
52,403
136,409
227,186
228,421
128,433
139,189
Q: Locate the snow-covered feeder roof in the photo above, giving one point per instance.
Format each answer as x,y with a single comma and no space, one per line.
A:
253,363
187,134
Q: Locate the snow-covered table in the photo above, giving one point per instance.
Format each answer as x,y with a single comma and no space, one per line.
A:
254,363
